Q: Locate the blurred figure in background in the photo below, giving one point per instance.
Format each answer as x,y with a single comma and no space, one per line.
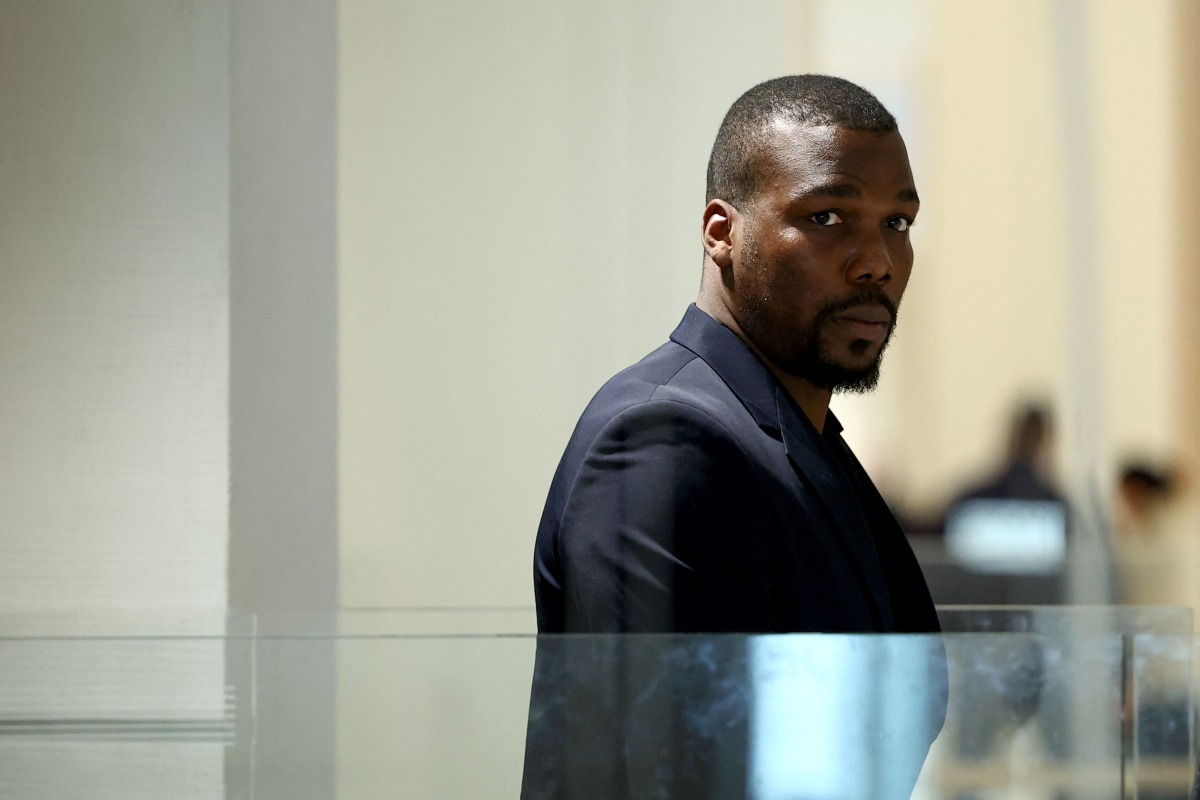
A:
1006,535
1144,494
1014,522
1157,552
1025,474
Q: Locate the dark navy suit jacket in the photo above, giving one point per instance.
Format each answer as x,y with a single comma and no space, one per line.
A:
695,496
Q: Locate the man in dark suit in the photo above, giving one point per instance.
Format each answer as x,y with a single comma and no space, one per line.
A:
707,487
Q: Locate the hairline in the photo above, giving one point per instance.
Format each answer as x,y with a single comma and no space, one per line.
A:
774,126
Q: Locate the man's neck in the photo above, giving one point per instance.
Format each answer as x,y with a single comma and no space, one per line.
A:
813,401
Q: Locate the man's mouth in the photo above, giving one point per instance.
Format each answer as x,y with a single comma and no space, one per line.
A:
865,322
870,315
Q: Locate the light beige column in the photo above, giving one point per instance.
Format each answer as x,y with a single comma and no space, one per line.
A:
1186,200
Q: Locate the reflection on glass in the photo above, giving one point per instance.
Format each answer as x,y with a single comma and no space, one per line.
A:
825,702
1009,703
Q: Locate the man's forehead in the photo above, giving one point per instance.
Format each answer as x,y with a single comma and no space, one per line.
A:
783,135
794,152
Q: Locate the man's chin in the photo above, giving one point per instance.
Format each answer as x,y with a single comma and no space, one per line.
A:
838,371
856,371
853,378
864,384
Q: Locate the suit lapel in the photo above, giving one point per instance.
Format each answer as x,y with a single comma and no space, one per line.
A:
802,444
774,410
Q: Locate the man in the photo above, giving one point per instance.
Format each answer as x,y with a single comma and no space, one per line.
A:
707,487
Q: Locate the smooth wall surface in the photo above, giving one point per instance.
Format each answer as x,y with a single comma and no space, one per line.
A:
1046,138
518,191
113,386
114,307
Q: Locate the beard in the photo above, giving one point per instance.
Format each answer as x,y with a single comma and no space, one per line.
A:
803,353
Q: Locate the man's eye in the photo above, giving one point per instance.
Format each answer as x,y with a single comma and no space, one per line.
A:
827,218
899,223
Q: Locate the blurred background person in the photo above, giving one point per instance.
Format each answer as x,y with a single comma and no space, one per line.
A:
1144,494
1005,535
1155,545
1025,473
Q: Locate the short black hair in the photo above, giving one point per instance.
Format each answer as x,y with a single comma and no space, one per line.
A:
800,99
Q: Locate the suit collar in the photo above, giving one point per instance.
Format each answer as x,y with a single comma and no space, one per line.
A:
742,371
729,356
808,450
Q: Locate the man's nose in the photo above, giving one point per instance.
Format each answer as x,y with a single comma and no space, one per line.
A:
871,260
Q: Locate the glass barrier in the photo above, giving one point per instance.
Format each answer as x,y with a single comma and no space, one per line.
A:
1011,703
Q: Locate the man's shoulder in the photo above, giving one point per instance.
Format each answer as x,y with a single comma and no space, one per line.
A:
639,381
670,376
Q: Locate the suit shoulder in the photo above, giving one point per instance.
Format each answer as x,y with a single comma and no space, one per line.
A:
670,373
639,381
670,398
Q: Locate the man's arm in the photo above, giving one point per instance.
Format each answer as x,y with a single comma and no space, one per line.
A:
662,528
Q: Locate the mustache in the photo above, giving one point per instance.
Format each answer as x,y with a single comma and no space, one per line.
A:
868,297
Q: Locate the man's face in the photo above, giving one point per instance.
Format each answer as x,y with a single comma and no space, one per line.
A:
823,254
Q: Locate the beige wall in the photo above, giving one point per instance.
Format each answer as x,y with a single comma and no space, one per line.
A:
1186,198
995,311
517,188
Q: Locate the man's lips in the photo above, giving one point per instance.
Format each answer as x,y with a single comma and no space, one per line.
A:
865,322
872,315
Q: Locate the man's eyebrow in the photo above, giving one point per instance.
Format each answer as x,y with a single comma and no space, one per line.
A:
843,191
847,191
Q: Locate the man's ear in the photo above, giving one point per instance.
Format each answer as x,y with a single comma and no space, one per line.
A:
718,234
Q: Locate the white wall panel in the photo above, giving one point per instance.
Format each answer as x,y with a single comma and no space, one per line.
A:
519,197
113,303
113,387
